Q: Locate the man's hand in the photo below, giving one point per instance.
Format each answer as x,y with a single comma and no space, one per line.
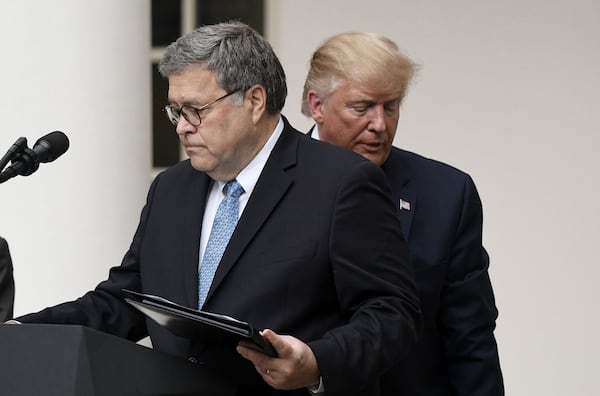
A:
296,367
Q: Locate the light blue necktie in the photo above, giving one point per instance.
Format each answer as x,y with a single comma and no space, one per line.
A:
223,226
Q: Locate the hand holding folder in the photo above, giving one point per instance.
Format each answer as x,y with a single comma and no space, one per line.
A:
204,326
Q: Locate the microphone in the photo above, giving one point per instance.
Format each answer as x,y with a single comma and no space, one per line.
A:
46,149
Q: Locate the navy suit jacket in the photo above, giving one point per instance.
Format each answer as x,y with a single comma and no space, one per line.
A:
441,215
318,253
7,284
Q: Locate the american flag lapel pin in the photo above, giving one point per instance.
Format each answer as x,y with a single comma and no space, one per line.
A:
404,205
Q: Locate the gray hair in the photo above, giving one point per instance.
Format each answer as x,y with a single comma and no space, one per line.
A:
239,56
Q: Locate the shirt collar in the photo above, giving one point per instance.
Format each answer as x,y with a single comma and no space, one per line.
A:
315,132
249,175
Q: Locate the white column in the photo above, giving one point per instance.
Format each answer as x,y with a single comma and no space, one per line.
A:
81,67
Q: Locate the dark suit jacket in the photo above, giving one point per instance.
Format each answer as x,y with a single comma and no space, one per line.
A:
457,352
317,253
7,284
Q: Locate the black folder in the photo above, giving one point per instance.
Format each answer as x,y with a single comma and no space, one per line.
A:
206,327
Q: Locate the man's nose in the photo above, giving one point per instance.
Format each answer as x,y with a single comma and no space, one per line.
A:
377,119
184,126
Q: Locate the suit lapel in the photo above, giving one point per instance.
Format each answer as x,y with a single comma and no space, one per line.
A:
406,203
193,211
404,197
270,188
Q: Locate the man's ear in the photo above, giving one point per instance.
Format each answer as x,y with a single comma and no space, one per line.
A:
315,105
257,97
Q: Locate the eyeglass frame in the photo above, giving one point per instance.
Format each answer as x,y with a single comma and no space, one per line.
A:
175,115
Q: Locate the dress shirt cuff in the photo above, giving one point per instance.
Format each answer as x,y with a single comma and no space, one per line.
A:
317,389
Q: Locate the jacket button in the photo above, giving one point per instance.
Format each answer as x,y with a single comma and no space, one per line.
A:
192,360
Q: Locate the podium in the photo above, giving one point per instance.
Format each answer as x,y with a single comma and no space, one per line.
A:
59,360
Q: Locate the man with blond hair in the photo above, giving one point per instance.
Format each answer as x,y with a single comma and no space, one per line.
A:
353,91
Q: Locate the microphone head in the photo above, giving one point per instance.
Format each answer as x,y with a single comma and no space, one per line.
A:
50,147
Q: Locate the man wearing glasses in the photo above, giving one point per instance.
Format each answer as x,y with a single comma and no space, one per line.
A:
264,224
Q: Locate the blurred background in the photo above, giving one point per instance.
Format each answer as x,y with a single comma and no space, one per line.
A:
507,91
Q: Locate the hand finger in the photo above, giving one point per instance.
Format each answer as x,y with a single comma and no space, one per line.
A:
279,342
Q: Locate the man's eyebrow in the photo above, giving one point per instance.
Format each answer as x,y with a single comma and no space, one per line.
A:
360,102
370,102
192,103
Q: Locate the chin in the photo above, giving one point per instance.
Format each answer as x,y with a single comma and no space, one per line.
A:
375,158
200,165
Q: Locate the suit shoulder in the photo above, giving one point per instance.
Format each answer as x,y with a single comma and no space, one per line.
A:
322,153
417,165
330,153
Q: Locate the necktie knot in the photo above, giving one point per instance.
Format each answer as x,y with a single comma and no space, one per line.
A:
233,189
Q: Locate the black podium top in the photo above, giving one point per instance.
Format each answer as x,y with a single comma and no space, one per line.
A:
74,360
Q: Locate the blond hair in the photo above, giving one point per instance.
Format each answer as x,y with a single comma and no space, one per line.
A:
364,58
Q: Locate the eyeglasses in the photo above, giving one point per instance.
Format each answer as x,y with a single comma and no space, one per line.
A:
192,114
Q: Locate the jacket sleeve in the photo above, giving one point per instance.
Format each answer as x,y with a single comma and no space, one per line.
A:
374,283
468,312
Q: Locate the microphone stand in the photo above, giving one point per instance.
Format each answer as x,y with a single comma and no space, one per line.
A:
18,150
19,146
